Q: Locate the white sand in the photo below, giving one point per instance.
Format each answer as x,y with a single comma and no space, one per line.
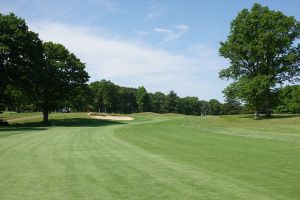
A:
110,117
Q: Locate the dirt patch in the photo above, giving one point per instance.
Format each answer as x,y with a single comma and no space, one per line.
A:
112,117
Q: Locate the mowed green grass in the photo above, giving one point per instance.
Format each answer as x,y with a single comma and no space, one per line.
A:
153,157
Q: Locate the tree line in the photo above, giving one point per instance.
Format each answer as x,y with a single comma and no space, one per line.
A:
106,97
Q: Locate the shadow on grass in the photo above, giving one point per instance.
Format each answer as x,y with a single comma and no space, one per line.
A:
69,122
274,116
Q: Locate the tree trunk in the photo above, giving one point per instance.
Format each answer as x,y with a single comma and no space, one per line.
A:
268,113
45,115
269,103
256,114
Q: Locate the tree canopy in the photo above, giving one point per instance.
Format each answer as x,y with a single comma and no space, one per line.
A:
62,73
172,102
289,99
105,95
32,71
21,56
264,52
142,99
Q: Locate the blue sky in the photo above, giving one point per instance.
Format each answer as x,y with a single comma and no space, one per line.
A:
161,44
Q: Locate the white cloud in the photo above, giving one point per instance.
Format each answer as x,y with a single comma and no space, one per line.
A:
172,34
183,27
129,64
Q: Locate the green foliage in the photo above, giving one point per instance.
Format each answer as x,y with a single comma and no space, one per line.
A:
172,102
110,96
105,95
204,108
43,74
142,99
264,51
62,74
97,89
158,102
127,101
289,100
21,56
215,107
232,104
255,92
189,106
79,100
18,100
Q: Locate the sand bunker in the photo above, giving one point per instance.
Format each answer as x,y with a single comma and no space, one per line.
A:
111,117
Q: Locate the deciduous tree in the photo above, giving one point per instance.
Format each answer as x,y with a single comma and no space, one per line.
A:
142,99
264,52
215,107
158,102
62,73
172,102
21,56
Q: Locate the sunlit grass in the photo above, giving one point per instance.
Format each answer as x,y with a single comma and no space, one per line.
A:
152,157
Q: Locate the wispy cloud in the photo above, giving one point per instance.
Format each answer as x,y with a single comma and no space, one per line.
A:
183,27
127,63
108,5
174,33
140,33
154,12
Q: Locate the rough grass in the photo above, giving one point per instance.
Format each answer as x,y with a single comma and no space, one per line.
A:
153,157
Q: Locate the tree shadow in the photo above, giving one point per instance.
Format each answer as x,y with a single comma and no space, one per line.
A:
274,116
16,128
83,122
68,122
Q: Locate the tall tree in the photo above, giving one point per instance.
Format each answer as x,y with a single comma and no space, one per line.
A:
142,99
172,102
80,99
127,101
19,100
189,106
110,97
204,107
264,51
106,96
21,56
232,104
62,73
215,107
158,102
97,89
289,99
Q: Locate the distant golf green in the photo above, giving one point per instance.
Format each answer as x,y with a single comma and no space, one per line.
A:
153,157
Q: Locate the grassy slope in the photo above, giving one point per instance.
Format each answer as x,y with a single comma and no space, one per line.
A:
153,157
